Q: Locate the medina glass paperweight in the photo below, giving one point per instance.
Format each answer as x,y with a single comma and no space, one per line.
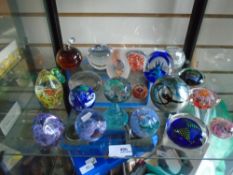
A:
116,90
192,77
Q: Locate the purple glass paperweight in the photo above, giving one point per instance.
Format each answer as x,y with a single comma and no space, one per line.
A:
90,125
82,97
221,128
47,129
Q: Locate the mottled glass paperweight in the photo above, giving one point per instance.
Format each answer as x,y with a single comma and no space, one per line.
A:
144,122
57,73
98,56
221,128
170,94
178,57
82,97
159,64
47,129
186,131
136,60
192,77
88,78
69,57
140,91
48,90
90,125
116,90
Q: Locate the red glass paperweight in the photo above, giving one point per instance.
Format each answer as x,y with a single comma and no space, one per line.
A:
140,91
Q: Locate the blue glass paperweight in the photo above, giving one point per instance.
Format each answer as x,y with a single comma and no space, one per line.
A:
82,97
116,90
90,125
170,94
144,122
158,65
187,131
192,77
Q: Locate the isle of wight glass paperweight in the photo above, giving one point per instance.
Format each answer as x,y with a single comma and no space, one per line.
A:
90,125
221,128
48,90
82,97
140,91
57,73
144,122
47,130
192,77
186,131
170,94
69,58
136,60
116,90
88,78
99,56
178,57
159,64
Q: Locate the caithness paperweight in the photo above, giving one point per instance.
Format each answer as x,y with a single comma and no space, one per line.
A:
82,97
47,129
186,131
136,60
221,128
192,77
98,56
170,94
69,57
178,57
144,122
159,64
48,90
116,90
90,125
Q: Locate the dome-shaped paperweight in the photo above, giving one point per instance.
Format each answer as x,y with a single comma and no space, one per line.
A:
136,59
90,125
186,131
178,57
221,128
192,77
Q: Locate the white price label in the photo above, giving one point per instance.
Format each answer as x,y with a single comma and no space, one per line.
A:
85,168
86,117
91,160
120,150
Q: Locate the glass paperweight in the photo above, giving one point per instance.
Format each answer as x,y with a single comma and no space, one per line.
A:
192,77
170,94
186,131
88,78
144,122
178,57
48,90
82,97
90,125
118,66
136,60
99,56
221,128
69,57
158,65
116,90
140,91
47,130
57,73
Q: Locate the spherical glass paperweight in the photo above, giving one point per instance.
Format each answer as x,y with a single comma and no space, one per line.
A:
158,65
170,94
99,56
144,122
221,128
116,90
88,78
90,125
82,97
136,60
192,77
186,131
140,91
47,129
178,57
48,90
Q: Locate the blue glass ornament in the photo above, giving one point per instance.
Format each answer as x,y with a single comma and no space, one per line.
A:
82,97
170,94
90,125
47,129
144,122
187,131
158,65
192,77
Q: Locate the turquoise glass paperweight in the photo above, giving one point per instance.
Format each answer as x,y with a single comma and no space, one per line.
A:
116,90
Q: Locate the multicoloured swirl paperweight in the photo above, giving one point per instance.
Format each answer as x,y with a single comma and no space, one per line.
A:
136,60
158,65
47,129
144,122
82,97
186,131
221,128
90,125
192,77
170,94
